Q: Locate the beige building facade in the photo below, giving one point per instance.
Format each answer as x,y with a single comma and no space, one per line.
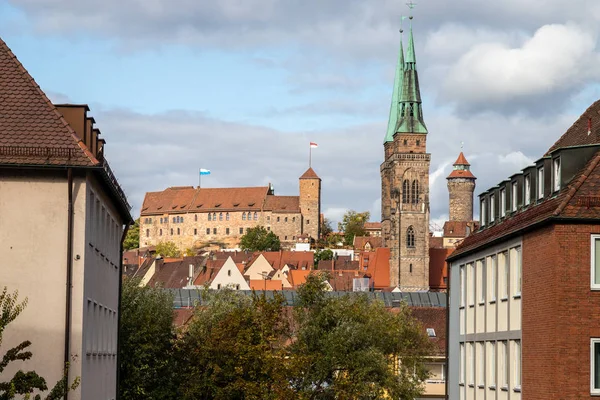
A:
62,218
199,217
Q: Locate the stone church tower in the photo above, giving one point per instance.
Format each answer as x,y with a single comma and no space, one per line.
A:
461,185
310,203
405,180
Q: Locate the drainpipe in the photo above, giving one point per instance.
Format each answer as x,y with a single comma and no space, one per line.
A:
448,288
69,285
119,307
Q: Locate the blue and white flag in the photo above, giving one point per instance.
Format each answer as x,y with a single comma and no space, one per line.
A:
204,171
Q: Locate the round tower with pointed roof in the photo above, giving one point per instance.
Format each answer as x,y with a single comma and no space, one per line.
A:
461,185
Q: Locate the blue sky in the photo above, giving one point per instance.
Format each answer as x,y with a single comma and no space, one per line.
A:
242,87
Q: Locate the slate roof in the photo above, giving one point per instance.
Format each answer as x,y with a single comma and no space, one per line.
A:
32,130
310,174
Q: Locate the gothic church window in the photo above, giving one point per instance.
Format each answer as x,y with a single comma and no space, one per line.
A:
415,192
405,191
410,237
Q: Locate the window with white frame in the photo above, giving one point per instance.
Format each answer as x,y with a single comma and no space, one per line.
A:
481,280
503,275
463,286
595,262
502,202
482,213
595,366
471,282
540,183
492,278
527,198
492,208
492,364
514,193
517,271
471,364
517,365
481,364
461,378
556,174
504,363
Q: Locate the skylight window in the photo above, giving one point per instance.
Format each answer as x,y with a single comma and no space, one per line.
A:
431,332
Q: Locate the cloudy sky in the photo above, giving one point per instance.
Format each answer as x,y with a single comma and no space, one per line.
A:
242,86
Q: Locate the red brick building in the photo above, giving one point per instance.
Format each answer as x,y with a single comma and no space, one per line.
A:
524,288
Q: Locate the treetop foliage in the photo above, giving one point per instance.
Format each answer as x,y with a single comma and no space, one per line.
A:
259,239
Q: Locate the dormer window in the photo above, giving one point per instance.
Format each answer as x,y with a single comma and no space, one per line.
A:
556,171
540,183
527,189
492,207
482,213
502,202
514,196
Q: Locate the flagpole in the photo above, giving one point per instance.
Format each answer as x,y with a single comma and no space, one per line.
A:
199,178
309,156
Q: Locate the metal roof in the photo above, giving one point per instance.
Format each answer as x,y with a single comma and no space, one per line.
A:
192,297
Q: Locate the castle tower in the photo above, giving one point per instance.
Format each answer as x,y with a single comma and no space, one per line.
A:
310,203
461,185
405,180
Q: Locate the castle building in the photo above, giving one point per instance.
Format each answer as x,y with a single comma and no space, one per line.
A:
405,180
198,217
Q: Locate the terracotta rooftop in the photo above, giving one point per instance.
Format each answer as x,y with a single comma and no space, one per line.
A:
361,241
433,318
174,275
461,160
456,229
379,268
577,134
461,173
372,225
310,174
283,204
32,130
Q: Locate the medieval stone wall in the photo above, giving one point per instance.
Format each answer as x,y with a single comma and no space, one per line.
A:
310,204
461,199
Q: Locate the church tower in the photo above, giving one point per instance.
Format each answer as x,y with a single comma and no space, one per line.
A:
405,179
461,185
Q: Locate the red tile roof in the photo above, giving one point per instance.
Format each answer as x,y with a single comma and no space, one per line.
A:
379,268
310,174
372,225
461,160
461,173
433,317
577,134
285,204
436,242
294,259
361,241
32,130
456,229
438,269
342,281
175,274
265,284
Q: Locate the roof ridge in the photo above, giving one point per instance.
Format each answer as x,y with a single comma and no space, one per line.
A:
574,187
51,106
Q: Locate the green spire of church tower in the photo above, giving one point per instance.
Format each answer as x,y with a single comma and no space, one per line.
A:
410,119
394,107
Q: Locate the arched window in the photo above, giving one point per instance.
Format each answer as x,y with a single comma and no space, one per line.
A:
415,192
255,215
243,216
405,192
214,216
410,237
209,216
220,216
227,216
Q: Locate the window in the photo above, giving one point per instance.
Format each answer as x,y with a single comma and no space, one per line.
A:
160,232
471,279
228,272
492,364
293,219
209,216
218,286
595,366
171,231
463,286
481,280
410,237
285,237
285,219
307,221
195,231
214,231
410,268
181,219
178,231
241,231
471,350
461,378
492,207
405,191
256,216
414,193
268,217
405,142
220,216
227,217
540,183
517,365
595,259
208,231
195,217
556,171
492,279
243,216
268,228
527,190
502,202
161,220
514,197
516,261
227,231
481,365
482,213
214,216
278,218
147,232
418,142
504,363
174,219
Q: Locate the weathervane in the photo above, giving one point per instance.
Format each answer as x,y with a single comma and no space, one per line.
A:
411,4
402,18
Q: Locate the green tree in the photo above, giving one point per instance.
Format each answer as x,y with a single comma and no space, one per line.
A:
346,347
24,383
168,249
234,348
259,239
326,228
132,239
335,239
325,254
147,340
353,224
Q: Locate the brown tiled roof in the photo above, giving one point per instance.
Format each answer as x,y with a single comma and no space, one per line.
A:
436,242
438,268
294,259
372,225
461,173
342,281
310,174
174,275
379,268
577,134
461,160
32,130
361,241
188,198
265,284
455,229
433,317
569,203
286,204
